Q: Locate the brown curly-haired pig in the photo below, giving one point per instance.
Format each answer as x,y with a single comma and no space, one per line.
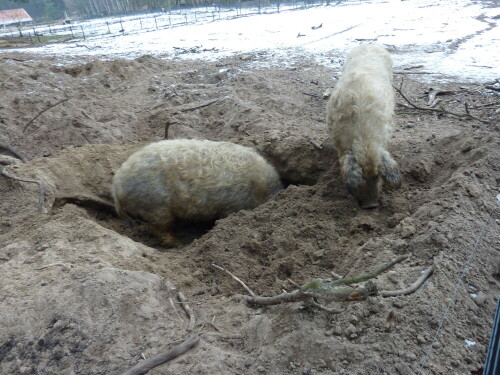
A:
361,121
192,180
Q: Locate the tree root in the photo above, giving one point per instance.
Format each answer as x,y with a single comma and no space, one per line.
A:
412,288
41,187
186,345
335,290
465,115
249,291
148,364
90,201
43,111
16,153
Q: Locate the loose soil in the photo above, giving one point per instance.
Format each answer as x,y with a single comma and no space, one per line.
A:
81,292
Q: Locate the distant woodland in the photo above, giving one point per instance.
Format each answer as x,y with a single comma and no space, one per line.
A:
50,10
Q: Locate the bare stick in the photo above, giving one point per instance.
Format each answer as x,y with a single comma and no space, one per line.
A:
167,127
492,88
325,141
9,160
346,294
317,96
84,200
43,111
65,265
190,107
145,366
371,274
16,153
41,188
315,144
14,59
412,288
182,299
437,110
249,291
336,276
295,296
327,309
325,290
198,106
433,93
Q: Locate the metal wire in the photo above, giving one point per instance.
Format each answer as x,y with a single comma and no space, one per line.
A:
465,271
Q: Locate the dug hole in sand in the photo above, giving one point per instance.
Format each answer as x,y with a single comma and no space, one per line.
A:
83,293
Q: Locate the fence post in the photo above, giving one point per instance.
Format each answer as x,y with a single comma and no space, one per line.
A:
121,25
71,28
156,23
35,34
83,32
31,39
140,20
107,24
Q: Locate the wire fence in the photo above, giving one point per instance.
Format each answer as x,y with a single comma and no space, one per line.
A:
151,21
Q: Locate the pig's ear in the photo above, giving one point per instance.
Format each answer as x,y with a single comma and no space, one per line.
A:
389,170
351,172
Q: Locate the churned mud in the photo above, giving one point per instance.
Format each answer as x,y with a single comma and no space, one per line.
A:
82,292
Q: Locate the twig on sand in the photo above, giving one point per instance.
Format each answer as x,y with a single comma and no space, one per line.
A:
249,291
65,265
43,111
315,144
182,299
41,187
466,115
186,345
412,288
148,364
16,153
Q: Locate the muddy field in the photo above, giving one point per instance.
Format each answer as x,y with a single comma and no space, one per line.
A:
83,293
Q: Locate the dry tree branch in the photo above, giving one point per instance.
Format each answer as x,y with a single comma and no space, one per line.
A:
315,144
466,115
43,111
336,290
41,187
16,153
249,291
311,290
330,310
188,107
84,201
189,343
412,288
433,93
371,274
148,364
182,299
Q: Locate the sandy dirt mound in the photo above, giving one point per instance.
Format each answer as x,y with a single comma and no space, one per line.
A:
81,292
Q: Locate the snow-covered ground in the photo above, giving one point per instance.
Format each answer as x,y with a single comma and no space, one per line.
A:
451,37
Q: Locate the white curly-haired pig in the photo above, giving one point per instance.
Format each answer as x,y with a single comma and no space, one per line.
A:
360,123
192,180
